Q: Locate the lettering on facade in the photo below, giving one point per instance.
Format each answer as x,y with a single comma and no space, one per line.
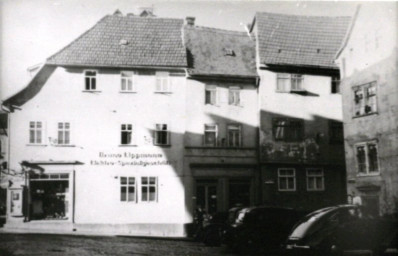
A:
130,159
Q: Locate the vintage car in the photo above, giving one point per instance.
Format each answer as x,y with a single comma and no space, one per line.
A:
260,229
216,224
340,229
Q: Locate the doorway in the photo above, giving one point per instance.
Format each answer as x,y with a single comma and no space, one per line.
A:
206,195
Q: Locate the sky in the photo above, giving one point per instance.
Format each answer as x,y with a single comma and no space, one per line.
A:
33,30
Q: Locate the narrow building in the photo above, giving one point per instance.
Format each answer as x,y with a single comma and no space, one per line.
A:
221,118
368,64
301,132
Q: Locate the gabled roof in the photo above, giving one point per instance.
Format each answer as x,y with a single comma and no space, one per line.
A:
127,41
220,52
310,41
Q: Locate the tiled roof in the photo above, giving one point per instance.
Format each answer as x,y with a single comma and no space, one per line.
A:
123,41
300,40
219,52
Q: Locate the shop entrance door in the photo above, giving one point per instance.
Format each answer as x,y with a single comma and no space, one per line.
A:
206,195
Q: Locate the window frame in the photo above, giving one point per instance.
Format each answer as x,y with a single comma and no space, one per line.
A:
127,130
234,96
148,186
239,129
156,131
212,89
367,160
286,177
321,176
128,185
287,137
131,78
160,77
95,77
363,90
208,131
290,79
64,131
35,131
335,85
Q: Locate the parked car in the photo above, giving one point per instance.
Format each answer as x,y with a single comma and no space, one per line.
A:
339,229
215,225
262,228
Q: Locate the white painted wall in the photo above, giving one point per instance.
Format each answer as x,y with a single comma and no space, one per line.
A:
95,127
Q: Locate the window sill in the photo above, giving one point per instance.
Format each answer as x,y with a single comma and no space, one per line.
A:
369,114
368,175
315,190
163,92
127,145
286,190
91,91
36,145
64,145
163,146
128,92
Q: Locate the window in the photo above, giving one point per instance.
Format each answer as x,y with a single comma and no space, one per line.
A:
234,96
211,95
315,179
126,137
234,135
335,86
287,179
149,189
63,133
288,129
289,82
35,132
90,77
336,135
162,135
163,82
367,158
127,189
365,99
127,81
210,138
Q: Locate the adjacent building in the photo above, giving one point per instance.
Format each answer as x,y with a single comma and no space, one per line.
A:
368,64
3,160
301,133
221,118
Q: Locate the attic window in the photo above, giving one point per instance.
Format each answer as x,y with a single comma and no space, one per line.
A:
229,52
123,42
318,50
279,50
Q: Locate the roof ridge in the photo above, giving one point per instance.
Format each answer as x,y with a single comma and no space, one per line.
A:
79,37
210,29
149,17
298,15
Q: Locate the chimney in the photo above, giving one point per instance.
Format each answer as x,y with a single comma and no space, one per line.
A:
190,21
118,13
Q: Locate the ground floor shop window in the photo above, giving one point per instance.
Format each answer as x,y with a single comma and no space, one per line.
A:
49,196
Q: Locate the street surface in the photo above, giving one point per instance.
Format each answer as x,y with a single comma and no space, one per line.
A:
62,245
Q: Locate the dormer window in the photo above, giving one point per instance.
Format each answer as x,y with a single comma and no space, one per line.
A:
229,52
90,79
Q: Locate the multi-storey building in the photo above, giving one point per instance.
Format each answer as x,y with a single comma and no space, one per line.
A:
221,118
97,135
368,64
301,134
3,160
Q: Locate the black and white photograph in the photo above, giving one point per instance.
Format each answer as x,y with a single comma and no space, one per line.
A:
198,127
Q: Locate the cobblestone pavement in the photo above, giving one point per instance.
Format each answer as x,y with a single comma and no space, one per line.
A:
61,245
